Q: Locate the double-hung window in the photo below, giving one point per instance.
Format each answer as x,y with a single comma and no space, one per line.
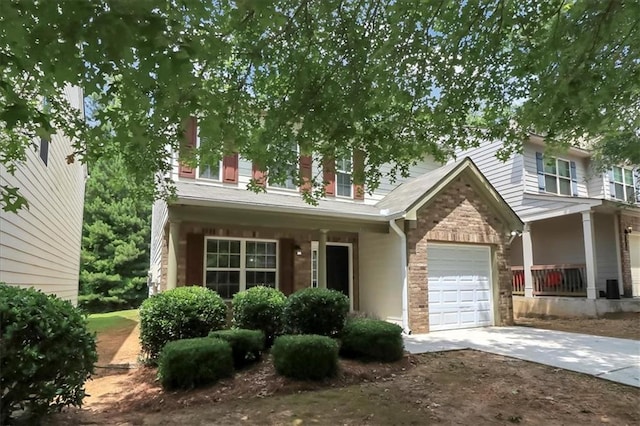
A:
623,187
209,171
290,168
344,170
233,265
557,176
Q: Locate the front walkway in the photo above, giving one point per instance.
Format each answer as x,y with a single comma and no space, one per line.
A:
609,358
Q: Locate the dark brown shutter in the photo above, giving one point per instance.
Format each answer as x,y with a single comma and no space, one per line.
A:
195,259
285,266
258,175
329,176
190,135
230,168
305,172
358,174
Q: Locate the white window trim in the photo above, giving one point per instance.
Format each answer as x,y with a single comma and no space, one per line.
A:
218,179
558,177
314,248
624,184
284,188
243,259
208,179
344,172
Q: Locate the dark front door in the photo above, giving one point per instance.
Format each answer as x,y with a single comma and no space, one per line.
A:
338,268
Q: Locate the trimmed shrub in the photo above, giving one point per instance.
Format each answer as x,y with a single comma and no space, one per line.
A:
372,339
260,308
46,353
247,345
188,363
316,311
305,357
181,313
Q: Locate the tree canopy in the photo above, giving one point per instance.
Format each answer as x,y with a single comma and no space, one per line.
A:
115,238
398,79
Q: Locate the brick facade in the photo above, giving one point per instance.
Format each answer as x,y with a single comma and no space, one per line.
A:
302,264
634,222
457,215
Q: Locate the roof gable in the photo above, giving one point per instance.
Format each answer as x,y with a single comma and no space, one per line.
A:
411,196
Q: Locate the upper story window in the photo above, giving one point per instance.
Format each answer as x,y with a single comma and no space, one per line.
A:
622,184
291,167
344,170
557,176
209,171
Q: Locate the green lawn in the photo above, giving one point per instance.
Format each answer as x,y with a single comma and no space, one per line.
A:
113,320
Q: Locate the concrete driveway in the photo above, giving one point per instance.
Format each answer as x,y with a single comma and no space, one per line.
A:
609,358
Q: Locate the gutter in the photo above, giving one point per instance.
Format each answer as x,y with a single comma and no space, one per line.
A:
405,289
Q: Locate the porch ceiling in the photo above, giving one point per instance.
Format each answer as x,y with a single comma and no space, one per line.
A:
269,219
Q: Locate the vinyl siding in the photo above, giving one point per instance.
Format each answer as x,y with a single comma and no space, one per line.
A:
606,254
558,240
40,247
597,183
531,171
380,288
506,177
387,183
159,217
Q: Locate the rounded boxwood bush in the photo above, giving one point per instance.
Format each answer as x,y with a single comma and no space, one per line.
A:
180,313
316,311
46,353
260,308
305,356
247,345
371,339
188,363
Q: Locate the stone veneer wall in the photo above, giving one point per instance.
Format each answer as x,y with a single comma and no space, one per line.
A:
457,215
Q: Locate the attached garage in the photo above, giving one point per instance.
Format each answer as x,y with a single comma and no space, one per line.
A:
459,286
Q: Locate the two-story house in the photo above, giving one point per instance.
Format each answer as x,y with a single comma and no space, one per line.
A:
429,252
40,246
581,234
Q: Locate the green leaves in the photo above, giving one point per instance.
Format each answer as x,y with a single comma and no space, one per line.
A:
397,79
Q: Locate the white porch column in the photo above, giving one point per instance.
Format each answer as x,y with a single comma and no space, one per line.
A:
589,253
172,262
322,259
527,260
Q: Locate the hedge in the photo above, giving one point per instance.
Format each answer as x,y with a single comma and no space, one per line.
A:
46,353
181,313
371,339
305,357
247,345
189,363
316,311
260,308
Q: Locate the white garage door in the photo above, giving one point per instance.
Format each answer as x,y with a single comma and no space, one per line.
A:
634,253
459,286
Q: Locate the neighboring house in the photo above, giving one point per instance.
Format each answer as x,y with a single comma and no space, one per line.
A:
581,232
430,252
40,246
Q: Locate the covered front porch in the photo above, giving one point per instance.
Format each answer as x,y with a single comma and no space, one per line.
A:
575,255
230,250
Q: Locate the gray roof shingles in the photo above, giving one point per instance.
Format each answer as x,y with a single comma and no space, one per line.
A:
397,201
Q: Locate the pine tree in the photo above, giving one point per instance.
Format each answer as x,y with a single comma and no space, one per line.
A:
115,240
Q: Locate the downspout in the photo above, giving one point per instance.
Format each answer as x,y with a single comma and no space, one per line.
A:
405,284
